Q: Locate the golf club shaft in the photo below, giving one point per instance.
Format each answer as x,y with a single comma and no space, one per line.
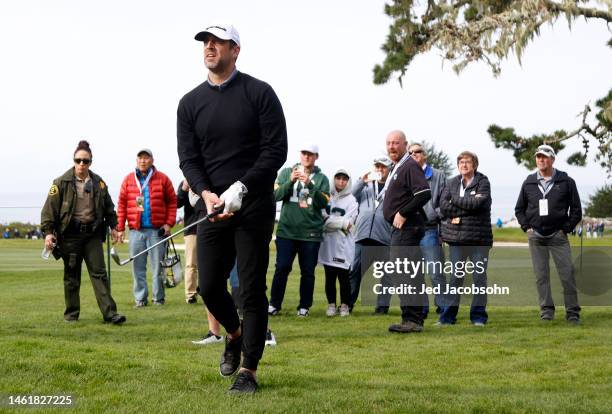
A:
195,223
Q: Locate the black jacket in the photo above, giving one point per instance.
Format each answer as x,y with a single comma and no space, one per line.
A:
190,214
564,208
473,211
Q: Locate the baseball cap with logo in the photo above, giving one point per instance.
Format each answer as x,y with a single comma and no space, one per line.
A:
222,31
546,150
313,148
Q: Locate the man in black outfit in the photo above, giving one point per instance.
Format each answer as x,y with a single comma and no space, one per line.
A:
405,193
232,140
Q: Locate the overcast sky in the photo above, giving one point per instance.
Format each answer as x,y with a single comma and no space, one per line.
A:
113,72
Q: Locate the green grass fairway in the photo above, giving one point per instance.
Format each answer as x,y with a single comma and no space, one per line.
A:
514,364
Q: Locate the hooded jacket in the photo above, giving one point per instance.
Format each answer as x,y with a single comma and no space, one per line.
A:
338,247
371,223
472,212
564,208
297,223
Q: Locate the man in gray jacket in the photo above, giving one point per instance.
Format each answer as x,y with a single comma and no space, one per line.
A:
372,228
431,245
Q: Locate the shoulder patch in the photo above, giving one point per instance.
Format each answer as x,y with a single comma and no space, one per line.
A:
102,185
53,190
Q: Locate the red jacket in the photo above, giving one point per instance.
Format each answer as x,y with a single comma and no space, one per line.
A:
162,200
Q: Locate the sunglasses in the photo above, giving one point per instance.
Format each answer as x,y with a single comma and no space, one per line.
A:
85,161
416,152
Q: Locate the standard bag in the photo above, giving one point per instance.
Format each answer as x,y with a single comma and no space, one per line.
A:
171,265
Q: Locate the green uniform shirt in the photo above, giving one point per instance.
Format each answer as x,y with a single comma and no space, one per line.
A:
61,203
301,217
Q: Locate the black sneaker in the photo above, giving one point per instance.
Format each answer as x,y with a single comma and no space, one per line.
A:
192,300
245,384
117,319
230,360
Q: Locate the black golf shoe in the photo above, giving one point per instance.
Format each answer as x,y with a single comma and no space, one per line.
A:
230,360
245,384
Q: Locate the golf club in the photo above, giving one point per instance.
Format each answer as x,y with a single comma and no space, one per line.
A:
120,262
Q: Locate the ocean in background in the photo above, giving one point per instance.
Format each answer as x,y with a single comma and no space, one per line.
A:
25,207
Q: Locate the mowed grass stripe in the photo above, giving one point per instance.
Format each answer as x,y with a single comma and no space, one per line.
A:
515,364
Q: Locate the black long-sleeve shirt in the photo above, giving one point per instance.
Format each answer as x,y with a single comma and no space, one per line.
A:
237,132
407,193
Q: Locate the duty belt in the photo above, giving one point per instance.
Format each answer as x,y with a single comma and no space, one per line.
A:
78,227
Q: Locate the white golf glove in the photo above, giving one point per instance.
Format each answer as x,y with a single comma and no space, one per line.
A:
193,198
233,197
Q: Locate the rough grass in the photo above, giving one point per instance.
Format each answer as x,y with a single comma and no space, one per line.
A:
514,364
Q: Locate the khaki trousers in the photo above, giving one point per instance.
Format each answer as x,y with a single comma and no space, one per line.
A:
191,266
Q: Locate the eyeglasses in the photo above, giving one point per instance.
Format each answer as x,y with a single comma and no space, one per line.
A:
419,151
85,161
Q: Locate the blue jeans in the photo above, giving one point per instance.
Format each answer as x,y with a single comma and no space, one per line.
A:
478,311
139,241
308,254
431,247
357,271
234,276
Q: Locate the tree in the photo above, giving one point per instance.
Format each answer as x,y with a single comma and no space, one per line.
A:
600,204
438,158
467,31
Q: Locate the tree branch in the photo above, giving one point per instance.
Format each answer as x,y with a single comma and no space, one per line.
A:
579,11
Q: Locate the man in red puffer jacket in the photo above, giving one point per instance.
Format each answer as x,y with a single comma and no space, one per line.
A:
148,202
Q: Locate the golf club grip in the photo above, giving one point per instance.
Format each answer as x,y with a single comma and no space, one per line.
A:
176,233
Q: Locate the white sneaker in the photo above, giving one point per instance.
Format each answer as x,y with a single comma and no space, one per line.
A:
344,310
272,310
302,312
209,338
270,338
331,310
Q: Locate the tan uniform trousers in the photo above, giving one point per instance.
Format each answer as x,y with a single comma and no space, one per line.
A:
191,266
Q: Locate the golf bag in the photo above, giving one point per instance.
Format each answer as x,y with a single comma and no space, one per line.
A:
171,265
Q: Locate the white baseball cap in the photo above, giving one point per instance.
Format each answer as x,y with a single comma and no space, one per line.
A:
546,150
314,148
222,31
384,160
145,151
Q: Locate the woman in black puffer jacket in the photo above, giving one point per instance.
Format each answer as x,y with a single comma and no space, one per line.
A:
465,205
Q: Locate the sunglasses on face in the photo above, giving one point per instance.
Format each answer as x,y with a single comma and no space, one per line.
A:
417,152
85,161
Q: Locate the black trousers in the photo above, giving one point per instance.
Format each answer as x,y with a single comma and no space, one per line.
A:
405,245
342,275
245,237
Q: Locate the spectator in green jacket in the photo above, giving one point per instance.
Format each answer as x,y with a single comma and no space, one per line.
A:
304,191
